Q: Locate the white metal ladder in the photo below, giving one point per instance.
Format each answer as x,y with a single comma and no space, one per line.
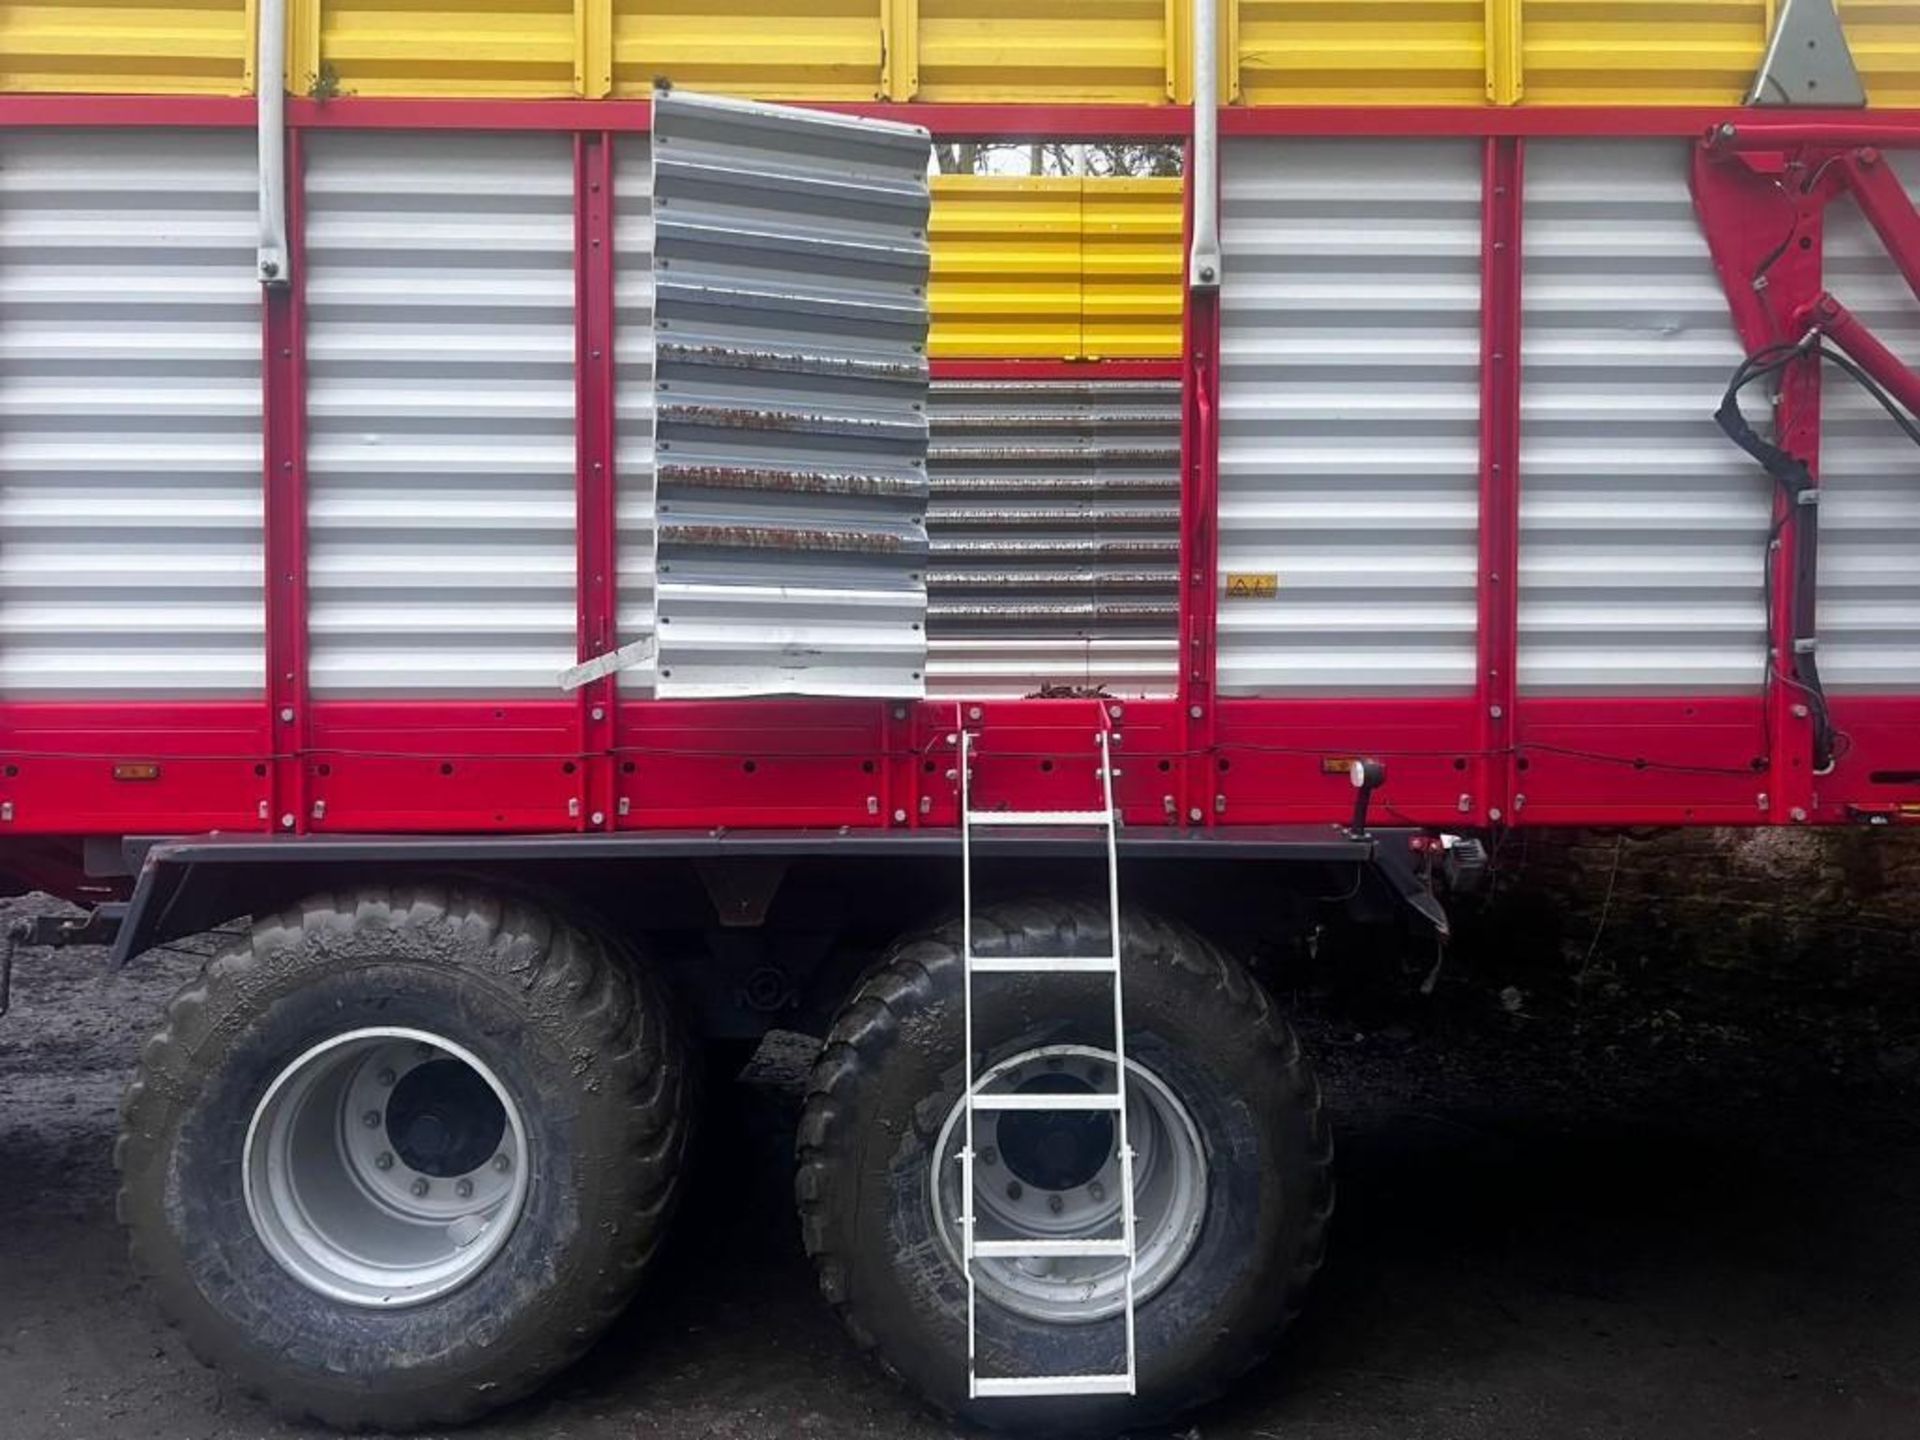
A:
1113,1102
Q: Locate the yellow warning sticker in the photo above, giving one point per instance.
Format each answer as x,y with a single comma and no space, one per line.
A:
1245,586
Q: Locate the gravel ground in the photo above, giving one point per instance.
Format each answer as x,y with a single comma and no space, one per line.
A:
1568,1225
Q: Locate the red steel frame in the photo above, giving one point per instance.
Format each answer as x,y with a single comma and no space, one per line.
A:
594,761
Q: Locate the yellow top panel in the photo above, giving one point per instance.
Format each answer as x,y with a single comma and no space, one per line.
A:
1274,52
200,47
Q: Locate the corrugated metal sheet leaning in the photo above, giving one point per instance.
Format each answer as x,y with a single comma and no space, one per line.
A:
790,328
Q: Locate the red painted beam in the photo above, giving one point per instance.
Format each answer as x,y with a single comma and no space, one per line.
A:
1499,556
596,532
285,403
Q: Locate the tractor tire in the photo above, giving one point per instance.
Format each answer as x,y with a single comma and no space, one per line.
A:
1216,1080
400,1155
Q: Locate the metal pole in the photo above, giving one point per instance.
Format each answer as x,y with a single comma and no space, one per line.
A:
270,68
1203,259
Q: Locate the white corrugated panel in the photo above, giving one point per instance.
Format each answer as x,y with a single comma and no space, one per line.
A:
1350,404
790,427
130,475
1643,531
1054,529
440,403
1869,610
633,396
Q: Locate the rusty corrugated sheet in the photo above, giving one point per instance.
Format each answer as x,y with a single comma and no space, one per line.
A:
790,427
1055,534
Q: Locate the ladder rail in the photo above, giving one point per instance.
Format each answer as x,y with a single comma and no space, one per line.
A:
1126,1243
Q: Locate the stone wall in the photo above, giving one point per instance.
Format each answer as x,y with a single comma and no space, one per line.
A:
1822,917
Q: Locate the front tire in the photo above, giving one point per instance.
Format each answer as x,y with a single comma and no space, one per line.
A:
399,1156
1207,1051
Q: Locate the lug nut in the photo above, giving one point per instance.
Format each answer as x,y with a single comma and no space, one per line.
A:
464,1189
371,1119
989,1156
383,1161
420,1186
1014,1192
1056,1204
502,1163
1097,1191
387,1077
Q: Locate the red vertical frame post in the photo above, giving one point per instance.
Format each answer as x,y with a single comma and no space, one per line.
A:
283,373
594,507
1499,558
1762,213
1199,540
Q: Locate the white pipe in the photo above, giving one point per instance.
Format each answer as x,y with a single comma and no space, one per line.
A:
1203,260
269,71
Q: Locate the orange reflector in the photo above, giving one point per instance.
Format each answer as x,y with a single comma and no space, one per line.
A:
143,770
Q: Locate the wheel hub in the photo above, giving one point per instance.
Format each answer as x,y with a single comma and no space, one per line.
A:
385,1167
1055,1175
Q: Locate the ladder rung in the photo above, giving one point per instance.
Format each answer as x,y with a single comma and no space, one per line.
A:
987,1386
1080,1100
1057,964
1039,818
1047,1249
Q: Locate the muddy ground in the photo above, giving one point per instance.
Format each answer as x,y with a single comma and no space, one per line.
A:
1582,1211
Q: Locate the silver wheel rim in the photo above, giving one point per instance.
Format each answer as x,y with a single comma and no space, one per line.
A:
385,1167
1080,1198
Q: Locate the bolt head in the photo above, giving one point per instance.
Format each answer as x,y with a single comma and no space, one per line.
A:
899,817
1015,1190
371,1119
599,817
464,1189
1056,1204
387,1077
989,1156
383,1161
503,1163
420,1186
286,821
286,715
1195,815
1097,1191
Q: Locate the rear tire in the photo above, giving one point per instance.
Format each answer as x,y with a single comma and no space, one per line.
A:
878,1108
536,1022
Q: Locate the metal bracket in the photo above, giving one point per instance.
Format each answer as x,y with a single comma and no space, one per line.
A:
1808,61
742,889
635,652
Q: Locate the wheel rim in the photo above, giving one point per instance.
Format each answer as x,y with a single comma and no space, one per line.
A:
1055,1175
385,1167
